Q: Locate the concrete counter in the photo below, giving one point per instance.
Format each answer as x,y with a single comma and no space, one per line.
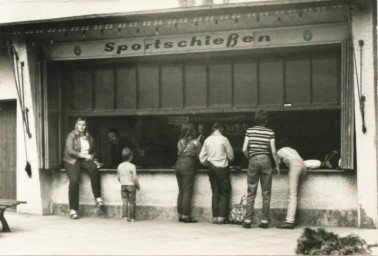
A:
327,197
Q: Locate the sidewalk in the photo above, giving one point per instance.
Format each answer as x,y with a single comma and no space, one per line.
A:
58,235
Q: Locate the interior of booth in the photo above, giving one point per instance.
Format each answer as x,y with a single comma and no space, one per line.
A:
154,138
147,99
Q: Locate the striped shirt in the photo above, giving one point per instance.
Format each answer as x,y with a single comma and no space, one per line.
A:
259,140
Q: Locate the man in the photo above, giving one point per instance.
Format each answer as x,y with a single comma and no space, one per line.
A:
117,143
217,153
259,146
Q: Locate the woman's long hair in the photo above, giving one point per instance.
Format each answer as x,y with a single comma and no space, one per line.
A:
188,132
86,127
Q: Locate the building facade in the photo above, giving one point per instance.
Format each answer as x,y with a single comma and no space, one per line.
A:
312,64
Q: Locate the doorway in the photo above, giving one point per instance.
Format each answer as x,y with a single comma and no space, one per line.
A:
8,147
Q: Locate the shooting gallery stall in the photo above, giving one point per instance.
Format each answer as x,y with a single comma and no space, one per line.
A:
146,74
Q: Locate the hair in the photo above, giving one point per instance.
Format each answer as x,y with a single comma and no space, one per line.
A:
188,131
113,130
261,117
127,154
217,126
283,142
77,122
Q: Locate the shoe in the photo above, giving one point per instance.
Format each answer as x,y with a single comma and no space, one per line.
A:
247,224
74,215
222,222
286,225
99,202
132,220
123,219
263,225
189,220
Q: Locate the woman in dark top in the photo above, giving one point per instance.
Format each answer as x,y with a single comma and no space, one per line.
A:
79,154
188,148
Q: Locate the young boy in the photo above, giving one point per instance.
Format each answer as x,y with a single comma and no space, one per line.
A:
127,176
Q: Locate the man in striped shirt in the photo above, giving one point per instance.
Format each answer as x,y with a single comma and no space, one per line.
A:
259,146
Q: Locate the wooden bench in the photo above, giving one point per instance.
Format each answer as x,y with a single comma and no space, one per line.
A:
4,204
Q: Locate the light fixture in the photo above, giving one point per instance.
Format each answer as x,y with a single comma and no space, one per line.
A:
51,41
83,33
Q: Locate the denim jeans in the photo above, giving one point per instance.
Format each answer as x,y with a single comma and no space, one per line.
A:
73,172
297,172
259,169
185,173
128,193
221,187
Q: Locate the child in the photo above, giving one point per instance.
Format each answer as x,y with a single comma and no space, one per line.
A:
127,176
297,171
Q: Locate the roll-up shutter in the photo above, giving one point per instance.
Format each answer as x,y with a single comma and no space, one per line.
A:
53,118
347,109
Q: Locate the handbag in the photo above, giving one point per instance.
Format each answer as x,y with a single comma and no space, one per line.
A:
238,212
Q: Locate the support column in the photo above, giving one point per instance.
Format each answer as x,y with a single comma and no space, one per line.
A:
366,146
28,189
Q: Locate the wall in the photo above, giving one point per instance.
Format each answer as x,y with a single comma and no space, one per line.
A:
47,9
319,203
7,85
363,29
28,189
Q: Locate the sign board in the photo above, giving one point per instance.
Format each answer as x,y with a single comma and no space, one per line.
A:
201,42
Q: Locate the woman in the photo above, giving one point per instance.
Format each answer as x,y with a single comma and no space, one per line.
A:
188,149
297,173
79,154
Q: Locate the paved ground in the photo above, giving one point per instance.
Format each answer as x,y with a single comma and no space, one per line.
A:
58,235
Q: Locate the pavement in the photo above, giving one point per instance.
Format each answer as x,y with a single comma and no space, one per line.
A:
59,235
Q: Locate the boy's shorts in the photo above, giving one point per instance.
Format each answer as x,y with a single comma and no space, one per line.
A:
128,191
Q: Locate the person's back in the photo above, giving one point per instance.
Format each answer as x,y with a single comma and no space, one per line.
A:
218,150
127,173
288,155
259,140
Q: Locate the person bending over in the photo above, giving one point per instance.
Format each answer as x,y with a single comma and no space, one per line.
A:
297,173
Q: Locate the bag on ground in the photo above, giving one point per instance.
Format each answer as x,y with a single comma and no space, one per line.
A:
238,211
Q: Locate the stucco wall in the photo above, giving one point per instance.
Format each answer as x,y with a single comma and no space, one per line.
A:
363,29
7,85
322,194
